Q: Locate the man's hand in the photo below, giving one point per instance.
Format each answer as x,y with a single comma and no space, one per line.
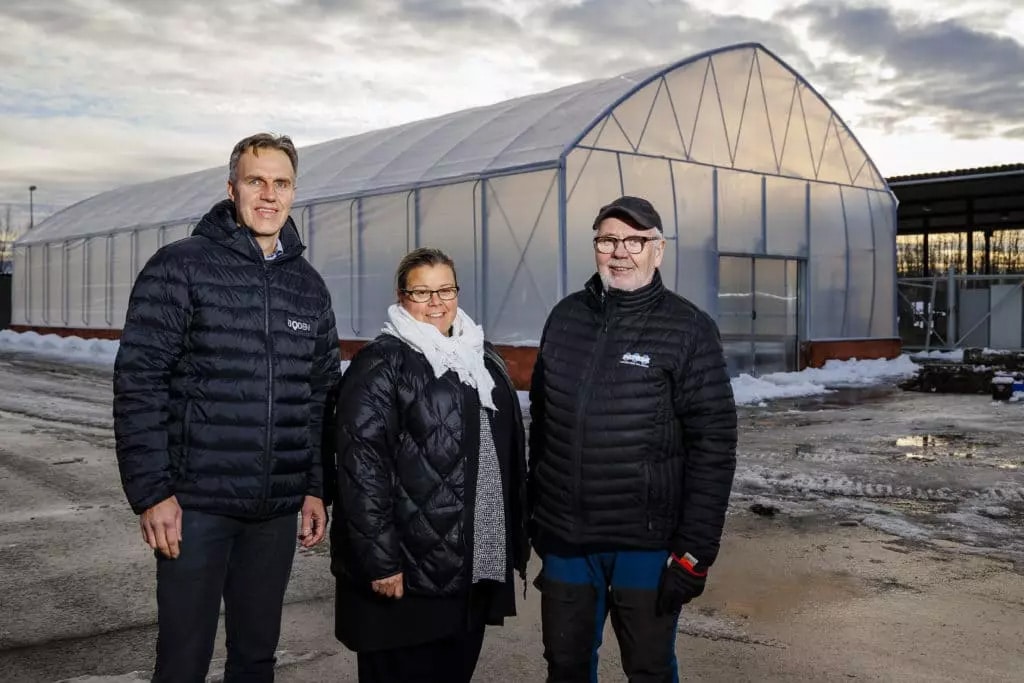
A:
161,527
391,587
314,522
679,584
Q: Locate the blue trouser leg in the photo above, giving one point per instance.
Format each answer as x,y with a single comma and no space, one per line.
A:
647,640
577,595
574,607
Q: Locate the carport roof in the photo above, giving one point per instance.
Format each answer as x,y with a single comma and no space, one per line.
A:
984,198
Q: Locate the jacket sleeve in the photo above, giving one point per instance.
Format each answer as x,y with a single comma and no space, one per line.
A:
538,395
367,419
706,410
326,370
152,342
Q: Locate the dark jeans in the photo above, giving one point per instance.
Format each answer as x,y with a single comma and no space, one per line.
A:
248,563
449,660
578,593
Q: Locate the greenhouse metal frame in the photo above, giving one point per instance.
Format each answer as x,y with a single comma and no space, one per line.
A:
778,223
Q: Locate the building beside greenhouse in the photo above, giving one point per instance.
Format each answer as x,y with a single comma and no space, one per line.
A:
778,223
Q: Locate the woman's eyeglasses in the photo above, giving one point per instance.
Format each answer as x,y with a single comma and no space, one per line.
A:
422,296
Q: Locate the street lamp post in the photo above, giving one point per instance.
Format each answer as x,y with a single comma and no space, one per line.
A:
31,212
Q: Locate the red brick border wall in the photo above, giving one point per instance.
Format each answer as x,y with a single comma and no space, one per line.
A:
813,354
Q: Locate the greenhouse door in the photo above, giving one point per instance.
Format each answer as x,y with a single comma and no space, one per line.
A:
759,313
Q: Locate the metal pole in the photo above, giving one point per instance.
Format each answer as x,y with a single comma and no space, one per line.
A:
31,208
951,308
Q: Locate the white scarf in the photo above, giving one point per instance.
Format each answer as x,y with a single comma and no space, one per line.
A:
462,352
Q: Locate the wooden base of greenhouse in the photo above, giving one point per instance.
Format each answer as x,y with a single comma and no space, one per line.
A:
520,359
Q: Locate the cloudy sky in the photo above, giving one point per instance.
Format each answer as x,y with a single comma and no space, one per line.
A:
100,93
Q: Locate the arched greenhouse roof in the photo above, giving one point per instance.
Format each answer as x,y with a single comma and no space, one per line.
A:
795,134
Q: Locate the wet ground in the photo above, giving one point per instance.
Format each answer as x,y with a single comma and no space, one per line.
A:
873,535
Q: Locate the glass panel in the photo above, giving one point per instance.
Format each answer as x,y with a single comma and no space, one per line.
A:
333,258
710,144
37,284
794,303
663,136
786,216
757,143
651,179
739,212
772,355
146,244
735,310
883,215
697,258
634,112
521,255
55,283
816,121
687,88
787,119
732,70
75,292
860,293
597,183
449,220
834,167
383,239
771,298
978,237
20,287
739,356
121,270
947,249
827,288
96,296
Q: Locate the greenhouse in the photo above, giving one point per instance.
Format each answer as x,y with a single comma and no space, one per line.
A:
778,223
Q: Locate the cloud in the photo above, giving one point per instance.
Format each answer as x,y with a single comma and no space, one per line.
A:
968,81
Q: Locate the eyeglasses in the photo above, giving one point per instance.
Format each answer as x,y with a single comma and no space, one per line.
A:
422,296
606,244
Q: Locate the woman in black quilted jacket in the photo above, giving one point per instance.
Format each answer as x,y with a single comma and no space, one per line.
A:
429,527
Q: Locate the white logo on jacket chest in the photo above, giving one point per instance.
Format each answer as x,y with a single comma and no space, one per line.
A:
299,325
641,360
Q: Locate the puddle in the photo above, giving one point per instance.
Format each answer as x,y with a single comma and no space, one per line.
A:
928,447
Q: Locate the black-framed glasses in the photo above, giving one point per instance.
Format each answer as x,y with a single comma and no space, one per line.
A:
422,296
606,244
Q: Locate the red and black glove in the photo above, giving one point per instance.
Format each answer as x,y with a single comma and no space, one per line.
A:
680,583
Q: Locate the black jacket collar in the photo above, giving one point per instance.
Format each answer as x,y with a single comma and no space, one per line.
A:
220,225
619,300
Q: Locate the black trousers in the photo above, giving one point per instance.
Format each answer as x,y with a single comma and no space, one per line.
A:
577,595
248,564
449,660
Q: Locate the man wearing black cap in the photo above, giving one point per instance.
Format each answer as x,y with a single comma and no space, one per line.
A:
632,454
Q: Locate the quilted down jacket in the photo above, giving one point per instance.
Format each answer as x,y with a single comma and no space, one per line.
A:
219,383
633,431
407,452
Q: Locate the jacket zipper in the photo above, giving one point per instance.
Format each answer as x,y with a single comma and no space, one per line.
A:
581,411
270,387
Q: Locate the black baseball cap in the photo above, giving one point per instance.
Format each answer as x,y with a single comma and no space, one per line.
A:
635,210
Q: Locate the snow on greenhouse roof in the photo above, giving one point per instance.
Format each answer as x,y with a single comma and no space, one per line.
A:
534,131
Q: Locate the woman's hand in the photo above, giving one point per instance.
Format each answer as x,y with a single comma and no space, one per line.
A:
391,587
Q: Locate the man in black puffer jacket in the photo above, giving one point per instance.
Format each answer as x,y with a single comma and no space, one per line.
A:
632,455
228,351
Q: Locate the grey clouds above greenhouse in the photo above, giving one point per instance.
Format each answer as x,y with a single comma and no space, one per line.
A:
738,107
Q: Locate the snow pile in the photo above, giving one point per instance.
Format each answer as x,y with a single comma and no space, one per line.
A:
68,349
813,381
